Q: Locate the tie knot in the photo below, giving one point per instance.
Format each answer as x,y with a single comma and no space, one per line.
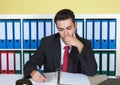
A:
66,48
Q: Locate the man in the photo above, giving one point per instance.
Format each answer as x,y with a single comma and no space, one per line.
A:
51,51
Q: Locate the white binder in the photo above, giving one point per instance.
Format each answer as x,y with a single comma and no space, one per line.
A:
80,29
48,28
11,68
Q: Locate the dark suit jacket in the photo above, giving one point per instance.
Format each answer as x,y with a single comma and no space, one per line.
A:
49,55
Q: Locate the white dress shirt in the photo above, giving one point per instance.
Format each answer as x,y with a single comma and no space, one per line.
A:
62,50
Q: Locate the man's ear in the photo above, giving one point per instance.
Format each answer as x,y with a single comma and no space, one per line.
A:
75,28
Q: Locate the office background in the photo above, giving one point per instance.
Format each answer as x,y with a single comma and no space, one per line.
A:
22,12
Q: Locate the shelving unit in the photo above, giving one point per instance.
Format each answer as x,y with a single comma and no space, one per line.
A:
82,17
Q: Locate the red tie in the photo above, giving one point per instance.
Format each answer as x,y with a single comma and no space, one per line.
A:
65,58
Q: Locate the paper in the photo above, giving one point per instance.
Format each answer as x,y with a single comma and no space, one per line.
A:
65,79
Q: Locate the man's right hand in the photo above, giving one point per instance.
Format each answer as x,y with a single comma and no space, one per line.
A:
37,77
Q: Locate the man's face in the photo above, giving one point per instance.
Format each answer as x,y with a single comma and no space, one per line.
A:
66,28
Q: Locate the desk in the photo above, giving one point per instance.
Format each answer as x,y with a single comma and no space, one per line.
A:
66,78
9,79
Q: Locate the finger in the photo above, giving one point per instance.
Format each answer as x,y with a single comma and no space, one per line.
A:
43,78
67,38
39,79
36,79
67,42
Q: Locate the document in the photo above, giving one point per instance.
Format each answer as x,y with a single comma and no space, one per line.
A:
65,79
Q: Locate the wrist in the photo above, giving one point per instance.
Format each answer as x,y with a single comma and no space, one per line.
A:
80,47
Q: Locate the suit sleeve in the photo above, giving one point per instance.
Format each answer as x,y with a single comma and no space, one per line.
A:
36,59
87,60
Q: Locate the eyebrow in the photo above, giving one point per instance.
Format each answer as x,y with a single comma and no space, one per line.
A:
69,26
66,27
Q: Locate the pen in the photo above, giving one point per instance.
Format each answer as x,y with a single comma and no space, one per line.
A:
42,73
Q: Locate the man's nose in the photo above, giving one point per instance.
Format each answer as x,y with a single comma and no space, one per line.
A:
65,32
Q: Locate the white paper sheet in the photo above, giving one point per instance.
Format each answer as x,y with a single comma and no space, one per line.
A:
65,79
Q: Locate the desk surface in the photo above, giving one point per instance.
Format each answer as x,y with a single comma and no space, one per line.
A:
9,79
66,78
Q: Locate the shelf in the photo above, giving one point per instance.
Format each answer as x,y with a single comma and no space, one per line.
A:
10,49
29,49
104,49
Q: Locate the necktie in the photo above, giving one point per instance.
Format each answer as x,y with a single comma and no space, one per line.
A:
65,59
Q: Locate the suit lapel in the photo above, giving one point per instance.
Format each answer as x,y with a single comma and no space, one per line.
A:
72,59
57,52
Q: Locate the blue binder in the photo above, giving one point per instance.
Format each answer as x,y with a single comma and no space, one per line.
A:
104,34
89,31
48,27
40,30
26,34
2,34
17,34
10,31
33,30
55,28
80,27
112,34
97,34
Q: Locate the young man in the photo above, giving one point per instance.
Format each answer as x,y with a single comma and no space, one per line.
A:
51,51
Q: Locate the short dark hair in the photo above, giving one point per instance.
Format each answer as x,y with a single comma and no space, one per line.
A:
64,14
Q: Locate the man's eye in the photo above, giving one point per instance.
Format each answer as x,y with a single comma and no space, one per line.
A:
60,30
69,28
